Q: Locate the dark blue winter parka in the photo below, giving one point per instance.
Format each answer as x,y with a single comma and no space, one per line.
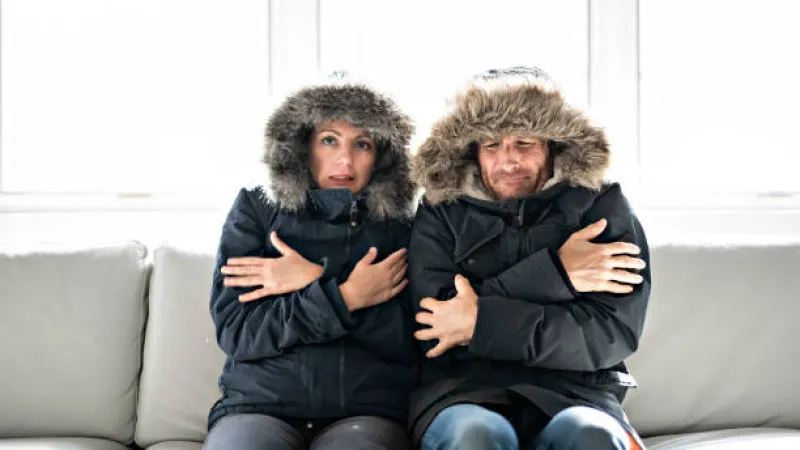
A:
304,354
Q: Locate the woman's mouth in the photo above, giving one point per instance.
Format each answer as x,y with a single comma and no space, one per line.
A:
341,180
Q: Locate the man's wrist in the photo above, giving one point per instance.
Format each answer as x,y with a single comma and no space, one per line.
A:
469,330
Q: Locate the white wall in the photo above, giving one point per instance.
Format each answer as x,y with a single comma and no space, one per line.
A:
199,88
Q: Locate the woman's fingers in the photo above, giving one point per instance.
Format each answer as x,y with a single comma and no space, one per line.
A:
399,273
242,281
241,270
246,261
254,295
398,289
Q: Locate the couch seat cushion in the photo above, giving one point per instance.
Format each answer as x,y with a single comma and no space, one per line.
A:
735,439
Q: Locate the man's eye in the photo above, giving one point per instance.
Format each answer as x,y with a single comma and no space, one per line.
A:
491,145
525,144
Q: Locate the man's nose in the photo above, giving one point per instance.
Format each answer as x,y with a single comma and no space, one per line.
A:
509,152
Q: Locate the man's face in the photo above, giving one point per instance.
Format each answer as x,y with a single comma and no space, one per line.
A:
514,167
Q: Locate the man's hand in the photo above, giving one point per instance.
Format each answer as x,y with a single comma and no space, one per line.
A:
600,267
282,275
372,284
452,322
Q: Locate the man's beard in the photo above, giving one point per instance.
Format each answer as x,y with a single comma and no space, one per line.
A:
533,183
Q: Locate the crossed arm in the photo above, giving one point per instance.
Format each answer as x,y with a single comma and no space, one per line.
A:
596,326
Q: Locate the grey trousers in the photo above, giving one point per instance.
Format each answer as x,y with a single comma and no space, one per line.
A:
262,432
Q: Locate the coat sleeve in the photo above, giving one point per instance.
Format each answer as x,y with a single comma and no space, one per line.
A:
431,270
388,329
272,325
538,278
596,330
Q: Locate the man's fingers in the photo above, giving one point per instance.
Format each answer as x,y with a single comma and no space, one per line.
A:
591,231
242,281
279,245
623,276
425,334
246,261
462,285
240,270
425,318
254,295
439,350
626,262
428,303
621,248
616,288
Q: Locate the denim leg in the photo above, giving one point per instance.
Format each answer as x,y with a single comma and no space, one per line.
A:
581,427
253,432
469,427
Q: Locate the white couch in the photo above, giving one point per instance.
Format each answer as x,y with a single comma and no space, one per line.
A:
105,348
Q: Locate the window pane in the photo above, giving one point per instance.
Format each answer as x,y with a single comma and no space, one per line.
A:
424,50
719,95
131,95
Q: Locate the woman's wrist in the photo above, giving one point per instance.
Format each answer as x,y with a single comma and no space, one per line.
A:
349,296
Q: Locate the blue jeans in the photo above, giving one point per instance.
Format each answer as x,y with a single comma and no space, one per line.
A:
473,427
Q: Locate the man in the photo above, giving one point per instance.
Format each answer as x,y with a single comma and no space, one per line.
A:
529,272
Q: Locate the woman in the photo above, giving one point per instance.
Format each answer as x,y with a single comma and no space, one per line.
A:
322,355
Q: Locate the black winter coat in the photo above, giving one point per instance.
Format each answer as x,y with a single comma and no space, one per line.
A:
535,335
304,355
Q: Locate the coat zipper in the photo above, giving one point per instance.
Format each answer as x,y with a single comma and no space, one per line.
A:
521,214
353,224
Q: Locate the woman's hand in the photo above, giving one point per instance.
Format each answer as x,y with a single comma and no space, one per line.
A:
281,275
371,284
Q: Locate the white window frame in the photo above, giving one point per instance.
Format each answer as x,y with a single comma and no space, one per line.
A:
613,49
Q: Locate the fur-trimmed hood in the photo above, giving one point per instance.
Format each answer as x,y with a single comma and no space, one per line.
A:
390,191
515,101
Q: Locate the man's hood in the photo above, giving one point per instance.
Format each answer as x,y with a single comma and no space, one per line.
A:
516,101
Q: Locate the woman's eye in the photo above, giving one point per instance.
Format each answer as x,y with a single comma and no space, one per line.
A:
363,145
328,140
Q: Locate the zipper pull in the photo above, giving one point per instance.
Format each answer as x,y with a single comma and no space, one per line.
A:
353,214
521,214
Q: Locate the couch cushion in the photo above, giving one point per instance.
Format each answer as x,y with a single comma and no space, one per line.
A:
175,445
60,444
741,439
182,360
70,341
719,344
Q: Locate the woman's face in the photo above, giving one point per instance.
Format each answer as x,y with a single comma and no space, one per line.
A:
342,156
